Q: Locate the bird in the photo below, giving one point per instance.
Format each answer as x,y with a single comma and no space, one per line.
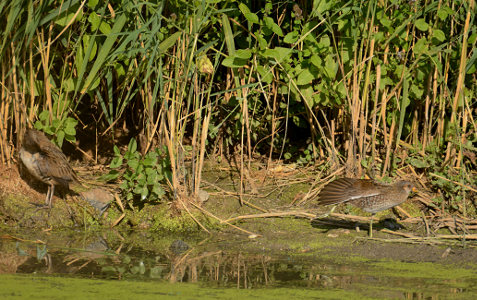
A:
367,194
46,162
98,198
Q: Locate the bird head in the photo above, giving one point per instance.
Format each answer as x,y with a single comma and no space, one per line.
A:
407,186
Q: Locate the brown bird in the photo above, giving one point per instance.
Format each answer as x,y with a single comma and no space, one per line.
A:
367,194
46,162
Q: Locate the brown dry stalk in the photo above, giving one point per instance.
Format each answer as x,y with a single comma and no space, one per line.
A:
274,214
223,221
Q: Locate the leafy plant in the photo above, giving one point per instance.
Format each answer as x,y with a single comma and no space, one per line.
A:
141,176
61,129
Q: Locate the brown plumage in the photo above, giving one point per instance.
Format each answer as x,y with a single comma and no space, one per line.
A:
46,162
369,195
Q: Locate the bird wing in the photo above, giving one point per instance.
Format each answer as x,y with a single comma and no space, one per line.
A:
56,169
54,162
347,189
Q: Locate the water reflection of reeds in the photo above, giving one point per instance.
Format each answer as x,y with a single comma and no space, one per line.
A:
213,266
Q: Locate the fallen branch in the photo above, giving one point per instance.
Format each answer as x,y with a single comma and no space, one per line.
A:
223,221
273,214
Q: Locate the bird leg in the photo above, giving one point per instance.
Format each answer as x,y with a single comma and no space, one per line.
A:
371,226
51,191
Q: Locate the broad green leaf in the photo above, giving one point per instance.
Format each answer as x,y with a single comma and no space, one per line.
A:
266,74
133,163
421,24
63,21
169,42
132,146
421,46
331,67
291,37
273,26
438,35
116,162
305,77
251,17
60,136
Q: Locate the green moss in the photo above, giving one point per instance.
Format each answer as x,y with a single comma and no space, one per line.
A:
40,287
424,270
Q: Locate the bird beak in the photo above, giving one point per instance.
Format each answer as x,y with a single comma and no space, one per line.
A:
414,189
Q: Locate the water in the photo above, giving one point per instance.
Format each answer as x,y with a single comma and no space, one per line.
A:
142,265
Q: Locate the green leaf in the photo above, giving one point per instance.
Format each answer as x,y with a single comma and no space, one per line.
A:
273,26
112,175
149,161
331,67
104,51
291,37
419,163
251,17
421,24
44,115
70,131
133,163
278,53
94,20
116,162
305,77
421,46
169,42
442,13
63,21
239,59
438,35
132,146
60,136
92,3
266,74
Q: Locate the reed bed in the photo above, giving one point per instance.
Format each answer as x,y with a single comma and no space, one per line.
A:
382,88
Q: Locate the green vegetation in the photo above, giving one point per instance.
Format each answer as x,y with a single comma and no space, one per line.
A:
386,88
142,176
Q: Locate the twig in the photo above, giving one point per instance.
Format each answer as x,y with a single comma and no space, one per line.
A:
273,214
222,221
192,216
455,182
8,236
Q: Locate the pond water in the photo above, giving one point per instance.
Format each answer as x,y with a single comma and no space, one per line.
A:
145,265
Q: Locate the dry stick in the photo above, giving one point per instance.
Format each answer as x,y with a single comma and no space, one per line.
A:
388,146
407,235
203,138
273,214
365,102
8,236
353,218
460,80
427,225
401,210
120,204
457,236
192,216
375,109
222,221
455,182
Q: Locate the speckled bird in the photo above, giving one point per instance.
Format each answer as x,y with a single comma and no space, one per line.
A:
46,162
367,194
